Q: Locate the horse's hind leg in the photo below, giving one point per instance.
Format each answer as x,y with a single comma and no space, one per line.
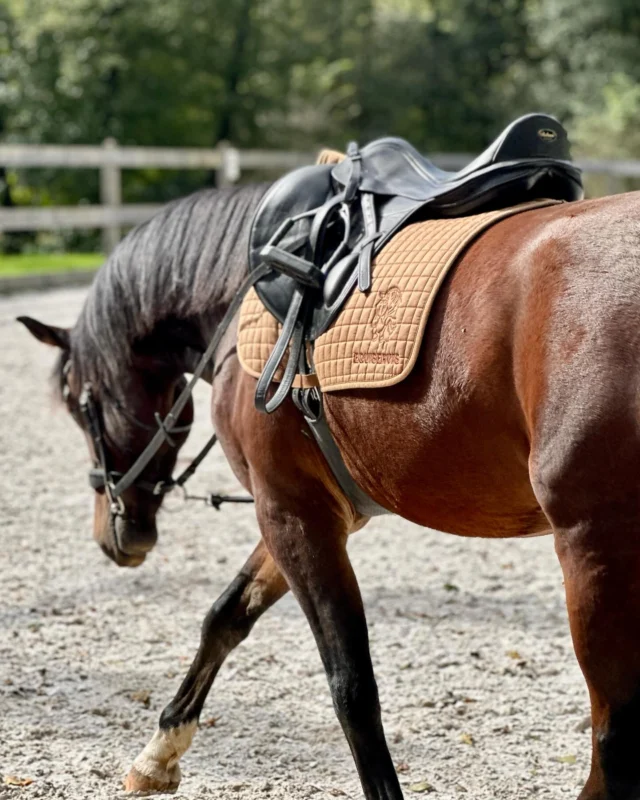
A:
588,482
308,542
601,565
258,585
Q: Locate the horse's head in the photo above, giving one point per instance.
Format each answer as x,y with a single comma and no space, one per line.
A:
118,422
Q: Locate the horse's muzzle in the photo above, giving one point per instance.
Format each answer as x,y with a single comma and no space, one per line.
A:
134,539
125,542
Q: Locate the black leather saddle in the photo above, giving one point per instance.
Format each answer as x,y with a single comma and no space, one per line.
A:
319,227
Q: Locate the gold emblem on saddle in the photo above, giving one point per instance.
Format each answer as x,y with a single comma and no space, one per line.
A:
547,134
384,323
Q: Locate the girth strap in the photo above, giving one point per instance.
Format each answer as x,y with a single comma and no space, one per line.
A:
309,402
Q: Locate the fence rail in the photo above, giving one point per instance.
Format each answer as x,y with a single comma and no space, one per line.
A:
228,163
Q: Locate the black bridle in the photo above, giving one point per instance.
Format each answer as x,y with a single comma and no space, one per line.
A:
116,483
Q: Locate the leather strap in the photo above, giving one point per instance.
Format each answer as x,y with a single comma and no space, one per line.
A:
320,221
317,423
193,466
364,260
308,381
292,337
355,175
172,417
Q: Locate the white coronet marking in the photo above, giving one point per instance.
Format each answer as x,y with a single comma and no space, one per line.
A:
160,757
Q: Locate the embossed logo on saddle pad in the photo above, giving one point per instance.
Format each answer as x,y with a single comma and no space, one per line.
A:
376,338
384,323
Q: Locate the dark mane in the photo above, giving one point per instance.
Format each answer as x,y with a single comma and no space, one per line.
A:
181,264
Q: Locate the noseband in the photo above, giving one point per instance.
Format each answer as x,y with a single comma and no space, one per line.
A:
115,483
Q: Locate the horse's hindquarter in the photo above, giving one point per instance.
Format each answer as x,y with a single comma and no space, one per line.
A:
449,446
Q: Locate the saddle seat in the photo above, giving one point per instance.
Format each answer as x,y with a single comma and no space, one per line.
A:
319,227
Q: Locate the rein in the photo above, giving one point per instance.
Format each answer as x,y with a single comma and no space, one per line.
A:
116,483
102,477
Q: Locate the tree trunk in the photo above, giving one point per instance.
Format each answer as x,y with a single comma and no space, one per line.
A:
224,131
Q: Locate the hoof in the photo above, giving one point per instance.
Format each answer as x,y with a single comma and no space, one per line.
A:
161,782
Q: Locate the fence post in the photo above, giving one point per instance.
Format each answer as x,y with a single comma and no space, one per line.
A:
229,171
110,195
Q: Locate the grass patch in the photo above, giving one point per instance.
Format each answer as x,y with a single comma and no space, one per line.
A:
48,262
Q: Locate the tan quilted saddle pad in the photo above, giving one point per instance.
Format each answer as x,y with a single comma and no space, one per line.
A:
376,338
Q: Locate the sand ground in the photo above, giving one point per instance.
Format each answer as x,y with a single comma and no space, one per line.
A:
480,689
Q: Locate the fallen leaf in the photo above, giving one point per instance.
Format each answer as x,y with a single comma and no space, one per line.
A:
14,780
568,759
466,738
514,654
402,767
142,696
209,723
422,786
451,587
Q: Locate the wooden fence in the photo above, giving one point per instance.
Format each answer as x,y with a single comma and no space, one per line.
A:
228,162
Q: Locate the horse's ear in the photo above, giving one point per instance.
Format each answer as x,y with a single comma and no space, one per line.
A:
49,334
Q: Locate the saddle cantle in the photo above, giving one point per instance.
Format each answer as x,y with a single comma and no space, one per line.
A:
319,227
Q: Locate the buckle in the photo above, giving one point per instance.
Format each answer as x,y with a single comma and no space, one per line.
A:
353,151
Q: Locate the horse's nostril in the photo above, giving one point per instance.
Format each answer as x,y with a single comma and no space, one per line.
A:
133,540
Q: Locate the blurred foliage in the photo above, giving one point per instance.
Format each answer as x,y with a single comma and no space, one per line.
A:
296,74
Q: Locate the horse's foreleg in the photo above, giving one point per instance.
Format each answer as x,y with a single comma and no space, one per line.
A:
258,585
310,549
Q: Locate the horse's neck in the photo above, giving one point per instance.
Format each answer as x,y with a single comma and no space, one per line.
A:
166,300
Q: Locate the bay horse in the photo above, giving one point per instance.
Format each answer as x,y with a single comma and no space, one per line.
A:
521,417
